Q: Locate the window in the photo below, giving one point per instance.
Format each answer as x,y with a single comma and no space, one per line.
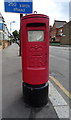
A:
36,35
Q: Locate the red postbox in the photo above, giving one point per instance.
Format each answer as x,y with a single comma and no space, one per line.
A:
35,58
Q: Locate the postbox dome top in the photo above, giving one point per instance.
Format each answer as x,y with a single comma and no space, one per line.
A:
35,16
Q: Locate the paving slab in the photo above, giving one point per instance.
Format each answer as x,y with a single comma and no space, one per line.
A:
60,105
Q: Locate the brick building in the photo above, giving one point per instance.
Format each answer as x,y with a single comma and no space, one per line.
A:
66,38
56,31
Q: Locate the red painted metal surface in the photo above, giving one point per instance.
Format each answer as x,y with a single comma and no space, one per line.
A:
35,54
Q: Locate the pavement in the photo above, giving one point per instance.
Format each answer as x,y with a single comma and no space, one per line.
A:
0,84
13,105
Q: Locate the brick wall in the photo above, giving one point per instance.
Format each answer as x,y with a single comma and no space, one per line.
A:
66,39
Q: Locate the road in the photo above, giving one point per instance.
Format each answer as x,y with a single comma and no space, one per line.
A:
59,67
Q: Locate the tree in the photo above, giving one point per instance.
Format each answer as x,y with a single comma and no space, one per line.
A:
16,36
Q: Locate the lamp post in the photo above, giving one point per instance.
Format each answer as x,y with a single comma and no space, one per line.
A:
10,25
21,15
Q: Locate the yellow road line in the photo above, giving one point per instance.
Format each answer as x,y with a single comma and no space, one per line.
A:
60,86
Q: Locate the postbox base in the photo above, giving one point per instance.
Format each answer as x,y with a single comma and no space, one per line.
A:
36,96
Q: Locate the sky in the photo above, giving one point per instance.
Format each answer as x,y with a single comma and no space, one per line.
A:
55,9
